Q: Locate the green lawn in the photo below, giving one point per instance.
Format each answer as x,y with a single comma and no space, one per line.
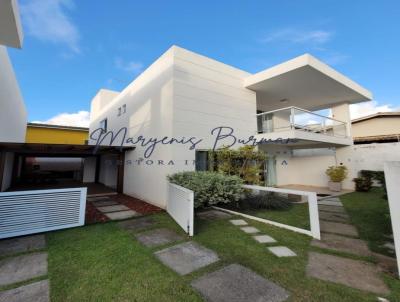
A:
103,263
369,212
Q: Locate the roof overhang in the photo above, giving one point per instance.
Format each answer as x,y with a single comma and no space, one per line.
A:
304,82
10,24
61,150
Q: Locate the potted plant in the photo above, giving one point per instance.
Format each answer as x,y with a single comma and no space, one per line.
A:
336,175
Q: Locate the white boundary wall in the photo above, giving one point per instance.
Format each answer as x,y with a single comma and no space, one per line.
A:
29,212
312,207
392,178
180,206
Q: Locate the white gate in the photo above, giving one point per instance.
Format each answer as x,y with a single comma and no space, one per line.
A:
28,212
180,206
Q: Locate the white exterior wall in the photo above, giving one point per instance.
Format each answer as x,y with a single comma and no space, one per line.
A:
8,167
13,115
89,169
108,171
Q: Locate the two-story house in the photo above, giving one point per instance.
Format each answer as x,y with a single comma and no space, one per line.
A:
179,105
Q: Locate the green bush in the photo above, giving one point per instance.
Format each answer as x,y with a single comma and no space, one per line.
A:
379,176
264,200
363,184
337,173
209,188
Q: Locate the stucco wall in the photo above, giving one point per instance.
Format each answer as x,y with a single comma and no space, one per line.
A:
89,169
13,115
377,126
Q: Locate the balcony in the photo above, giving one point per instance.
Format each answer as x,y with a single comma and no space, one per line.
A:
303,126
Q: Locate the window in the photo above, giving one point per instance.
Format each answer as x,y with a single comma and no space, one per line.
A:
201,160
124,108
121,110
103,125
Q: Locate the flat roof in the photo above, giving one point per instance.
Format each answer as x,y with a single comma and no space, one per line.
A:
375,115
61,150
305,82
40,125
10,24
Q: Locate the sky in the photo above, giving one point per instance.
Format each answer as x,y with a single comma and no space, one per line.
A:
73,48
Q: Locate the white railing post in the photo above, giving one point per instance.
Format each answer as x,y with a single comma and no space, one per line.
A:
291,118
314,215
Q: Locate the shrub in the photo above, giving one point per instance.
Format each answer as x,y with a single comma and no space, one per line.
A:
363,184
209,188
264,200
337,173
379,176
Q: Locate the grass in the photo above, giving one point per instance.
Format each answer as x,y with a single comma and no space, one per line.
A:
369,212
103,263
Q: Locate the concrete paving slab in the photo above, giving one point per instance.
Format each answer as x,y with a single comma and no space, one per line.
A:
137,224
35,292
21,268
282,251
250,230
98,198
236,283
334,217
213,215
342,244
122,215
104,203
158,237
349,272
327,202
186,257
238,222
115,208
264,239
338,228
22,244
335,209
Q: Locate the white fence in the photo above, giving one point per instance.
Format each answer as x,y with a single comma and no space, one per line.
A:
180,206
392,179
312,207
29,212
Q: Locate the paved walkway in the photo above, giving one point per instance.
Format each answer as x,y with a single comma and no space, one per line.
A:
338,234
22,260
233,283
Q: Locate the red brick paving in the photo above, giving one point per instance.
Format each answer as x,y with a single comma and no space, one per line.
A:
95,216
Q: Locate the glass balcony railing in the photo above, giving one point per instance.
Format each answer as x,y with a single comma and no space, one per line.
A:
293,118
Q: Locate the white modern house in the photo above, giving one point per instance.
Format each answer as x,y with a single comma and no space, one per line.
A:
184,95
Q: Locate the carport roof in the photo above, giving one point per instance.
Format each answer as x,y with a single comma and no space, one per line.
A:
61,150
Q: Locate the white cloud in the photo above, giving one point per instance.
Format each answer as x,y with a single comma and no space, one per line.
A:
367,108
47,20
78,119
299,36
129,66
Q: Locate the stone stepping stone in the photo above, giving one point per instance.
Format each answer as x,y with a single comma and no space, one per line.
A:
264,239
186,257
238,222
99,198
110,209
349,272
334,217
22,244
282,251
213,215
158,237
236,283
327,202
338,228
250,230
335,209
137,224
37,292
21,268
342,244
122,215
104,203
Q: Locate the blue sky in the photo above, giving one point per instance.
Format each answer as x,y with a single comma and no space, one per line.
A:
73,48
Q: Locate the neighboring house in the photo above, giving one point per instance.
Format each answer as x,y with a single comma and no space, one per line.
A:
184,94
381,127
12,108
56,134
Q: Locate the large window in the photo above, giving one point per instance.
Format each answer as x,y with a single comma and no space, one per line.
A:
103,125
